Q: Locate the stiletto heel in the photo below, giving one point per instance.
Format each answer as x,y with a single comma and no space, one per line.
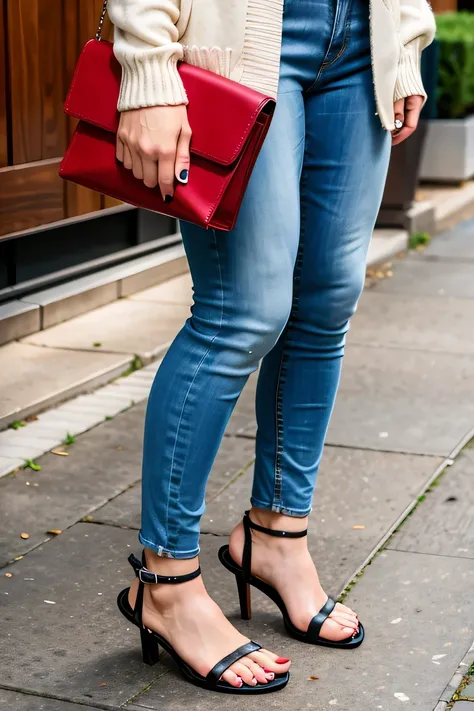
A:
245,579
150,648
152,641
245,598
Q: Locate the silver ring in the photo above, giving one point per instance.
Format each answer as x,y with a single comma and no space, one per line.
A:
398,124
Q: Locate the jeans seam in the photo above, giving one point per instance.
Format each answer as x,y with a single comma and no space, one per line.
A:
345,42
198,367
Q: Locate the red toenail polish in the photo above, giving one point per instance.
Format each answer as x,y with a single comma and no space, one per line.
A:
281,660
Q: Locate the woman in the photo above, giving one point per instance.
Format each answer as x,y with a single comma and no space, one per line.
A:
279,289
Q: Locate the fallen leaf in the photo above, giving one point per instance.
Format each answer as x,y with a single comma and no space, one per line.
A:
54,531
60,453
118,448
9,575
24,535
313,678
87,518
19,557
103,683
358,528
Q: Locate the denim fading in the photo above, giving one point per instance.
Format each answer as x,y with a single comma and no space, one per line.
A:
279,290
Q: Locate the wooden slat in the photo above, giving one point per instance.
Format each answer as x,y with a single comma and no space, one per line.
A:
52,42
30,195
37,81
78,28
3,89
23,38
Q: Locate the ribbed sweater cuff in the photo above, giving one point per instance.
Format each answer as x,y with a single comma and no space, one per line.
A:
150,80
409,81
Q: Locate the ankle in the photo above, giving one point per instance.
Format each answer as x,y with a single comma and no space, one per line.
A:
277,521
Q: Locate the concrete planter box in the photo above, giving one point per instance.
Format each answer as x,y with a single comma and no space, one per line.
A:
449,150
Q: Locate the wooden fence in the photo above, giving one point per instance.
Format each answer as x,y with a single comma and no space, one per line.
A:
40,41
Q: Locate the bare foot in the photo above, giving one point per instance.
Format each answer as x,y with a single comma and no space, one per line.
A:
286,564
196,627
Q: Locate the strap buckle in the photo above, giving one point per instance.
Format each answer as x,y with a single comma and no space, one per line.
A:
152,577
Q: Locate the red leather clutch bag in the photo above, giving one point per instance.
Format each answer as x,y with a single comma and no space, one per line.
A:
229,124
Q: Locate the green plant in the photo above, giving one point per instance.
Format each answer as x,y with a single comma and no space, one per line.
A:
455,35
31,465
17,424
418,239
70,439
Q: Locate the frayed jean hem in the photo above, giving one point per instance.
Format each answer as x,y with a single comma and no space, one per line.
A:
165,553
277,508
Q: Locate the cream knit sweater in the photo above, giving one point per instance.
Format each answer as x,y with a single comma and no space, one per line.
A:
241,39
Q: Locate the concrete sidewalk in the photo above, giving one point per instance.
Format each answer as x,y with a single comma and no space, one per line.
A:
392,525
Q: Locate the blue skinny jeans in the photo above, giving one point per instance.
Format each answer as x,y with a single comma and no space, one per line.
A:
278,290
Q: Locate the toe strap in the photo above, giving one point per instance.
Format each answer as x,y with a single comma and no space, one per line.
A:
318,620
216,673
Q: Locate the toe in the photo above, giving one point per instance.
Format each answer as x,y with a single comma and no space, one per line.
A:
256,670
270,661
232,678
345,620
244,672
335,631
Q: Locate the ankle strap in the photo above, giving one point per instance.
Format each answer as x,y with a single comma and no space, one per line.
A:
270,531
147,576
250,526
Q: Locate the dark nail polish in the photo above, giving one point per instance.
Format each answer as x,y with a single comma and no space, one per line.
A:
183,176
168,198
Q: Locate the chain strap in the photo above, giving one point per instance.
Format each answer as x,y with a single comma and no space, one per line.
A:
98,34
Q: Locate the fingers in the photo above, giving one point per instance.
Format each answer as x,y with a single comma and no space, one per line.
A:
127,157
154,144
166,163
119,150
150,172
409,117
182,155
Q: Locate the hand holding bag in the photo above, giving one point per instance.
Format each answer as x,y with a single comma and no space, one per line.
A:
229,122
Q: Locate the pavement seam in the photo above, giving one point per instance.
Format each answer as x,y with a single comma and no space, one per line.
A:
439,472
59,697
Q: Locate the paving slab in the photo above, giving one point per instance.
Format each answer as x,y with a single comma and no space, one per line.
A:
463,706
414,607
427,323
71,648
372,489
98,467
392,399
444,522
122,327
234,457
174,291
14,701
402,400
457,243
47,375
416,276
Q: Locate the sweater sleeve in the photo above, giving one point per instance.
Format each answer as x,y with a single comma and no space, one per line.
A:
146,45
417,31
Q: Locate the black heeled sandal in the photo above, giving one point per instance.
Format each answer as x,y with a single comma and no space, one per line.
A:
151,641
245,579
